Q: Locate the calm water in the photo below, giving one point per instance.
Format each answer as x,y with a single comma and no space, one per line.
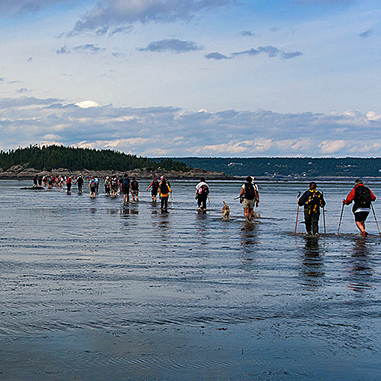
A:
93,290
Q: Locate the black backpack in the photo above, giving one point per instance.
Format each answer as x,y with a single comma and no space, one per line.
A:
155,184
249,191
362,197
126,182
164,187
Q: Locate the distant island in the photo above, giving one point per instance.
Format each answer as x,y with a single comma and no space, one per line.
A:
59,160
288,167
24,163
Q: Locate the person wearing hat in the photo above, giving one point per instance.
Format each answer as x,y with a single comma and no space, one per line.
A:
362,197
164,191
312,200
155,187
248,196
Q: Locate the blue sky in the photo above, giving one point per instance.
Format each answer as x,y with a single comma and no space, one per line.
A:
193,77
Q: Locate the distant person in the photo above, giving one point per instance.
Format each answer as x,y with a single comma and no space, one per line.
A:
114,186
68,183
125,187
362,197
107,185
155,187
40,181
312,200
202,192
79,183
164,191
248,196
93,187
35,181
134,189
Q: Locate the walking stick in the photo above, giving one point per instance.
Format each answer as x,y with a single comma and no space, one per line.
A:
374,214
341,217
297,215
325,229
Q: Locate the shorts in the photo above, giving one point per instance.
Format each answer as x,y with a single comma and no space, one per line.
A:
92,189
125,190
134,192
154,191
361,216
248,204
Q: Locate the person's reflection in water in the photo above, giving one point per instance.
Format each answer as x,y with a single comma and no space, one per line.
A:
360,270
164,222
248,241
125,212
202,230
312,272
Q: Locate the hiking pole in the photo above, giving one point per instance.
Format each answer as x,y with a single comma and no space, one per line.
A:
341,217
325,230
297,214
374,214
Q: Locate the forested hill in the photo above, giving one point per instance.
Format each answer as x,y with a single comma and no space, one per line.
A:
52,157
291,167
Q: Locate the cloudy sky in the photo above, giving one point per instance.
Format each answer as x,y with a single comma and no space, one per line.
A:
193,77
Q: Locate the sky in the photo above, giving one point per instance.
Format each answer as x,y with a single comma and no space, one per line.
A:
207,78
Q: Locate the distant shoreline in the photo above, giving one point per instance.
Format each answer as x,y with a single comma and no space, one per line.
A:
24,173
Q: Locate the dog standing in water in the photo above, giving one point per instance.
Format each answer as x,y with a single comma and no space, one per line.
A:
225,212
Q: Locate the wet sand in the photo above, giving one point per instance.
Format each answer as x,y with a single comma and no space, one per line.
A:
95,290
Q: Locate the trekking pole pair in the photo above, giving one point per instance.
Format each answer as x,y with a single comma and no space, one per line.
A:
374,214
297,216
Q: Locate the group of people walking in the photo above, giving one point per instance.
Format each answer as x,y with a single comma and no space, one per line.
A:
313,200
126,186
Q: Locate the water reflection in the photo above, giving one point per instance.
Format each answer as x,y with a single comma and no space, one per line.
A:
248,241
360,270
127,210
164,221
312,271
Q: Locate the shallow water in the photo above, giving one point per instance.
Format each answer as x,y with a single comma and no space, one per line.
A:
94,290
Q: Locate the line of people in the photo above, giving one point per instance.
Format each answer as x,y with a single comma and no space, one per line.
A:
313,200
126,186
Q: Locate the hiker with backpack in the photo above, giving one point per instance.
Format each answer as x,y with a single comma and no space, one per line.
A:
125,188
155,187
312,200
248,196
202,191
362,197
134,189
164,191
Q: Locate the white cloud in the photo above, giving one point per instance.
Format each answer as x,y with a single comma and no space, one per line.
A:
87,104
118,12
169,131
332,146
372,116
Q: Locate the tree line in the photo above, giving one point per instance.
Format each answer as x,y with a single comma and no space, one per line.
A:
289,166
47,158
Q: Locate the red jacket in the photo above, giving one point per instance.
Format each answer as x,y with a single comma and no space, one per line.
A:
351,195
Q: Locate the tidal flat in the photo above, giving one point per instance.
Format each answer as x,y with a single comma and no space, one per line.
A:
99,290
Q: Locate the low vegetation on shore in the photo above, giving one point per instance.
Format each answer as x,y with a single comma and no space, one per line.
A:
46,158
24,163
